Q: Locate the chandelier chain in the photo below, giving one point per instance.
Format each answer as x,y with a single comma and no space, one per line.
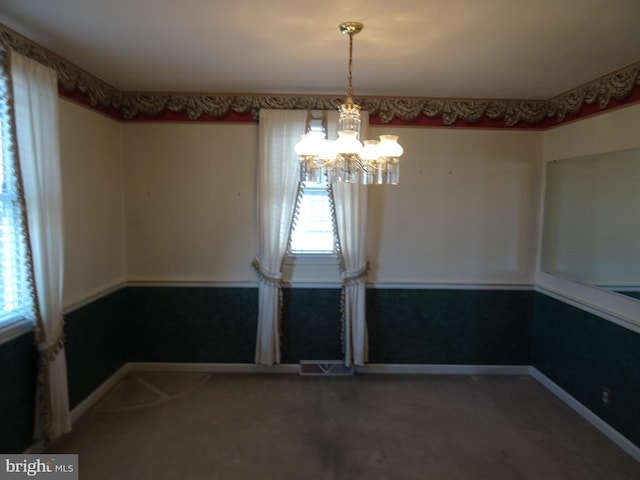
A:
350,88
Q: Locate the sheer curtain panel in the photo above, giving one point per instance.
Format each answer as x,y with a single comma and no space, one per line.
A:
35,92
277,189
351,222
350,207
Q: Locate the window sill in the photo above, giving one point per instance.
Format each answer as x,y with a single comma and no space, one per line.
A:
311,271
311,259
14,329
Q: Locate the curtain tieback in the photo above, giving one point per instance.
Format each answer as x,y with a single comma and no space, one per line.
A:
265,275
50,350
350,277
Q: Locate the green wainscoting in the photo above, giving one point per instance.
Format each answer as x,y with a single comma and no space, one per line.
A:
583,354
311,324
182,324
192,324
580,352
95,344
18,379
459,327
218,325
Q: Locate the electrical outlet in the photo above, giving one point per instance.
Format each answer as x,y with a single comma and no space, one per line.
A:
606,397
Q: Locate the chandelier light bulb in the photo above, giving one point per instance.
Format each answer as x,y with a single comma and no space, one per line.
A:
348,143
370,150
389,146
308,144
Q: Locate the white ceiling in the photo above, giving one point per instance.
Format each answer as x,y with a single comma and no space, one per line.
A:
516,49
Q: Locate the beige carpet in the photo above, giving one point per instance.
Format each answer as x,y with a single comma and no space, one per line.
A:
245,426
146,389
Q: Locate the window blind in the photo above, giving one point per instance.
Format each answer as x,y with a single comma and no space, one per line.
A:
15,292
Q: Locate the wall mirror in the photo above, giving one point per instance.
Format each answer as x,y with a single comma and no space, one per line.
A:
591,226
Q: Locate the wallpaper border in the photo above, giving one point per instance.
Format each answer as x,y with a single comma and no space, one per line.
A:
614,89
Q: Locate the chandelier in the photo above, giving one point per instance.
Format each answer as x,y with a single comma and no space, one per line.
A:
347,159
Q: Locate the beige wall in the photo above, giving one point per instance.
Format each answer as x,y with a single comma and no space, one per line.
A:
92,176
466,210
190,197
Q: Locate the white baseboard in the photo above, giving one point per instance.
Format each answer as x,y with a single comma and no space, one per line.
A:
393,369
108,384
616,437
212,367
418,369
98,393
84,405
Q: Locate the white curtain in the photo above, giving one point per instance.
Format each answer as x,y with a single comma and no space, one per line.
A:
277,189
35,92
351,222
350,203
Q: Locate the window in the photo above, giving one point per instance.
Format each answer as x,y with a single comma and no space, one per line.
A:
15,299
313,231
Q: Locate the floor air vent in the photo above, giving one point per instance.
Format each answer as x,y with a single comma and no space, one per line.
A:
324,367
